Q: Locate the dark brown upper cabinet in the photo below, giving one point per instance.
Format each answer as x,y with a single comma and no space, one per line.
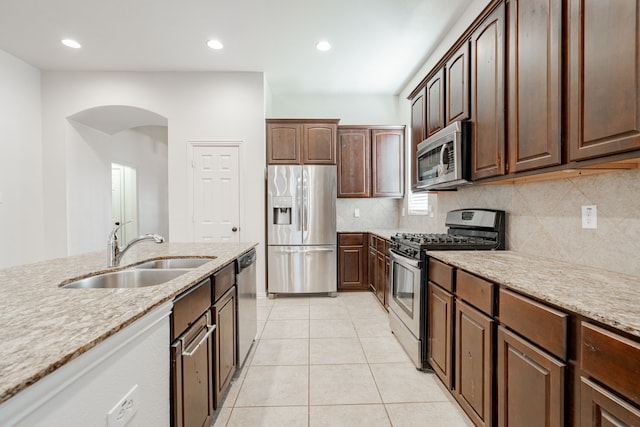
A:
603,78
457,84
534,65
371,161
435,103
299,141
418,130
487,96
387,162
354,162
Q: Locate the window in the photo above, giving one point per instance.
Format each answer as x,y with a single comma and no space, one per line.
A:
418,203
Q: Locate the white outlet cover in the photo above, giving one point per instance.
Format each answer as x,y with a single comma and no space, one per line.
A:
590,216
124,410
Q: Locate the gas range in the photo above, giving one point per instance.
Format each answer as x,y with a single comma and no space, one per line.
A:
469,229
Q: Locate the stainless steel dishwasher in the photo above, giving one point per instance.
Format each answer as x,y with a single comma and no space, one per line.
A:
247,304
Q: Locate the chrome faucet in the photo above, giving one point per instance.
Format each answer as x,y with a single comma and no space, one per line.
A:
115,253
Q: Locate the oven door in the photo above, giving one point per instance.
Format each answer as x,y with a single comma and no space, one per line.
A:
406,292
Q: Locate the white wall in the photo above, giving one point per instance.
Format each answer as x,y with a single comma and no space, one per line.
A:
145,148
352,109
206,106
21,206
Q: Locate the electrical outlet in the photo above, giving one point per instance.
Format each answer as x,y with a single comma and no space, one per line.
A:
356,212
124,410
590,216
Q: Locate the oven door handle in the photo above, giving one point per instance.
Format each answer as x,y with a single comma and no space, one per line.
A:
400,259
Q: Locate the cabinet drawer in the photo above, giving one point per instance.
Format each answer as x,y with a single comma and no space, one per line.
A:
189,306
476,291
611,359
543,325
223,280
372,240
379,244
351,239
441,274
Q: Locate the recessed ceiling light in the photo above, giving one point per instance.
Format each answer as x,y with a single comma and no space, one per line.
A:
323,45
215,44
71,43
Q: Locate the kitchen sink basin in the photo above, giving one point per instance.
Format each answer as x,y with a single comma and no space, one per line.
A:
132,278
171,263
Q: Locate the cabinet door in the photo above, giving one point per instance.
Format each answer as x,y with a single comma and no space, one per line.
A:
531,387
418,131
283,143
535,55
373,275
354,160
457,81
487,97
387,280
440,333
601,408
225,352
474,360
604,77
192,377
387,171
435,103
352,268
319,143
380,277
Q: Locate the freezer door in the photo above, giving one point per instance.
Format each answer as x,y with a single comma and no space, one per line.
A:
302,269
319,185
284,205
320,269
286,269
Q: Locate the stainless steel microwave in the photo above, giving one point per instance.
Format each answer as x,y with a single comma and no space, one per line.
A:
442,160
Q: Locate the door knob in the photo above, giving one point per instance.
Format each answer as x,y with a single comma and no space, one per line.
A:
234,229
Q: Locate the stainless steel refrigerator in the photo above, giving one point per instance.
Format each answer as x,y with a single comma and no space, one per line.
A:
301,229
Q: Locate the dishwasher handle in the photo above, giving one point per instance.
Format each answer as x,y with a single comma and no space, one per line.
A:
210,329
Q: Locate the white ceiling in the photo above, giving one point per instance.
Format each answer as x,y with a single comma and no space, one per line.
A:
377,44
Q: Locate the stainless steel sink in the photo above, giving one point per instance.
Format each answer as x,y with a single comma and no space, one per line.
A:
170,263
132,278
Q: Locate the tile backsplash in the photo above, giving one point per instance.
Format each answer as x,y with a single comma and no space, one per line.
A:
544,218
374,213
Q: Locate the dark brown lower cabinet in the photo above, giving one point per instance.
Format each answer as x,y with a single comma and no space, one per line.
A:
530,384
352,262
225,342
601,408
473,361
440,333
192,376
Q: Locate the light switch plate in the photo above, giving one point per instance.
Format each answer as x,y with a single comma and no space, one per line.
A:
356,212
590,216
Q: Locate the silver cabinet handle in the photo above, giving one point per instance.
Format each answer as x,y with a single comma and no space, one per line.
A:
210,329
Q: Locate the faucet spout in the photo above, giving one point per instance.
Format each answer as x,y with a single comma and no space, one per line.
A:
116,253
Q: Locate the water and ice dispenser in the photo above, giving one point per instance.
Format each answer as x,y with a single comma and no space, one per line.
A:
282,207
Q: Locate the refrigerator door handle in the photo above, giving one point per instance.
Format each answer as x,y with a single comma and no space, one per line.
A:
299,200
305,202
319,250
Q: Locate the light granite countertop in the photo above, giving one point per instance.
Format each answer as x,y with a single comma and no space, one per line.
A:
42,326
605,296
385,233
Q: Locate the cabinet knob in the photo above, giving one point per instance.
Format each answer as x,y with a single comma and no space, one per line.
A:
234,229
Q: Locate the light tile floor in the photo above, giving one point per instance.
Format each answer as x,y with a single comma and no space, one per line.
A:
323,361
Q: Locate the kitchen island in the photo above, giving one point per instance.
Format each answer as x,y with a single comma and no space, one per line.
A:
44,327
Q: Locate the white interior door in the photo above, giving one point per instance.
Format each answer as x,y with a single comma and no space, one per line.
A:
216,193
